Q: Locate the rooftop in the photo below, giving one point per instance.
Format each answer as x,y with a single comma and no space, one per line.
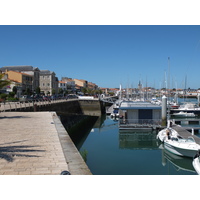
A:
19,68
42,72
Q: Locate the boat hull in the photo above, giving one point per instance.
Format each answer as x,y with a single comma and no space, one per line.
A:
188,152
184,115
196,165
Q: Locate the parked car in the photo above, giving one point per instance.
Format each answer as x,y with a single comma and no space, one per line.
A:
72,96
46,98
25,98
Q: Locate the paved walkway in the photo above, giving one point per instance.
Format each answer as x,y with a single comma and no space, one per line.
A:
36,143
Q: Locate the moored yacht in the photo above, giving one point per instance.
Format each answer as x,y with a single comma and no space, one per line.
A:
163,134
182,147
187,107
184,114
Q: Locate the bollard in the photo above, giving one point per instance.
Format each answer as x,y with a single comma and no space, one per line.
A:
198,97
65,173
35,107
164,111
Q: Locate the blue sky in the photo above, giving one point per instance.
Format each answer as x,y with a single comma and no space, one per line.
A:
107,55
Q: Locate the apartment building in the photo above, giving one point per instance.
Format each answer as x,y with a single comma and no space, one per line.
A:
24,80
48,82
81,83
92,86
70,84
62,85
26,69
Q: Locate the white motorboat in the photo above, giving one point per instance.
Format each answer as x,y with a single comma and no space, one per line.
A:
184,114
182,147
163,134
188,106
196,162
115,110
115,113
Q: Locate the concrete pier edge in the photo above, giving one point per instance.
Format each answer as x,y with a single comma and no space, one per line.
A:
76,164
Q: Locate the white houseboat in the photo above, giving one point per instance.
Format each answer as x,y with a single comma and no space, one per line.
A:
139,115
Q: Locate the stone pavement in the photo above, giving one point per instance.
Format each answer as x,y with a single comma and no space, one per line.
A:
36,143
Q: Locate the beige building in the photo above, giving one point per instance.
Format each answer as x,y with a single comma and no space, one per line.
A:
48,82
92,86
81,83
25,80
32,71
70,84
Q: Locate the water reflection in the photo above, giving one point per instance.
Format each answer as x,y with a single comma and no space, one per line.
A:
137,140
178,162
109,151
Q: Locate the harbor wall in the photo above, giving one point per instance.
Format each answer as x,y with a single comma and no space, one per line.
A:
79,107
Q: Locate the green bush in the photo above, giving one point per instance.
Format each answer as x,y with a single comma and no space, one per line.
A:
11,94
3,96
12,99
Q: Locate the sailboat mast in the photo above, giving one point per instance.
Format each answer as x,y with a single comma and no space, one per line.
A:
185,87
169,77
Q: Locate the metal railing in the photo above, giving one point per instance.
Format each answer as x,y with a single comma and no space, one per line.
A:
8,106
140,122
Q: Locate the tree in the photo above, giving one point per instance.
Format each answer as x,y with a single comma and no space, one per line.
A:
60,91
28,91
37,90
53,91
3,83
15,89
84,90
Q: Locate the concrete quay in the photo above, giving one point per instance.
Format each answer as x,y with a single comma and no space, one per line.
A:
36,143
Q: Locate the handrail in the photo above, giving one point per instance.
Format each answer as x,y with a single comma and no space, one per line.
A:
140,122
8,106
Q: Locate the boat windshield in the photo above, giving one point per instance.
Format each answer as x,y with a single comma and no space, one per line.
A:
190,139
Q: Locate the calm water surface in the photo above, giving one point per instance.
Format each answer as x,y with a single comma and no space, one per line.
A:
110,152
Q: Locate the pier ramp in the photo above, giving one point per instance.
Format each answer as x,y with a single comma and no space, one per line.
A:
184,133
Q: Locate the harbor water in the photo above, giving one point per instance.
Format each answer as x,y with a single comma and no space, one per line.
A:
109,151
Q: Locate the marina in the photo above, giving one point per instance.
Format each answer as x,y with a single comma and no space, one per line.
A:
129,152
138,139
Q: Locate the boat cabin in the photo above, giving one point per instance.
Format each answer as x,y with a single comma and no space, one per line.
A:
143,115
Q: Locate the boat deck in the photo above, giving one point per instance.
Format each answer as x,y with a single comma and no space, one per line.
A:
184,133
